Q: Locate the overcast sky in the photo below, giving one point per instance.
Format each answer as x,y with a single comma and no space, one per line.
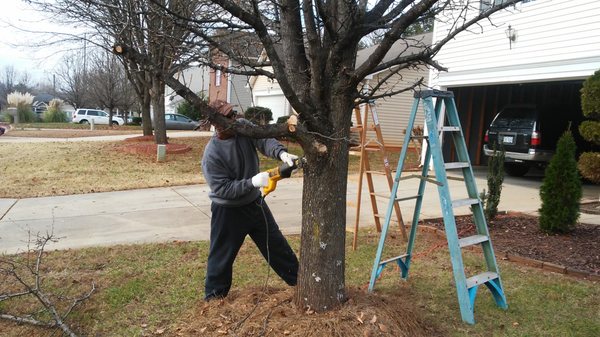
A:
14,49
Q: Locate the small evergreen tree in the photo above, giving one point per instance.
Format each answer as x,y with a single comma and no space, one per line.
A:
259,115
589,162
495,178
561,189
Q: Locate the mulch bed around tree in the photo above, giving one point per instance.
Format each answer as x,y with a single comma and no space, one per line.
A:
146,145
271,312
519,234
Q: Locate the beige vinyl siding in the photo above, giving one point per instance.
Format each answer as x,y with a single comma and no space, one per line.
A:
394,111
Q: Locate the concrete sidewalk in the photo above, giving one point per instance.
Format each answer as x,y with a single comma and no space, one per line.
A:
170,134
183,212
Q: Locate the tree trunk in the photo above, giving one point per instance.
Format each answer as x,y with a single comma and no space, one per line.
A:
158,106
321,279
146,115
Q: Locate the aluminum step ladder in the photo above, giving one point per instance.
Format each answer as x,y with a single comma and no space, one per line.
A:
466,286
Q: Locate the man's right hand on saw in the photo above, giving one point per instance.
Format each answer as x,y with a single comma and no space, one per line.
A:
261,180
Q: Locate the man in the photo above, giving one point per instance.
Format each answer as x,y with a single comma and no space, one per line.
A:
230,167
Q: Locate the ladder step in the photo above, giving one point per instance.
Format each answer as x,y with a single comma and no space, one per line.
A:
383,217
464,202
419,137
456,165
393,259
382,173
472,240
449,128
481,279
418,176
387,196
408,198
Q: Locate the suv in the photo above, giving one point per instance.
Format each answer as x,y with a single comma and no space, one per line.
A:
527,133
85,116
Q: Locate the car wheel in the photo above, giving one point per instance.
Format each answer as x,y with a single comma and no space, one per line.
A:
114,123
516,169
84,122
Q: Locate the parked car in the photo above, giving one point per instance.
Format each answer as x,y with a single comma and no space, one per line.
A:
528,134
86,116
180,122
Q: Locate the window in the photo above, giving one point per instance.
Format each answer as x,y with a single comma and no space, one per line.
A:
218,77
92,113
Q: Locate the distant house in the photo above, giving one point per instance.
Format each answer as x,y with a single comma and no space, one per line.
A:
196,78
41,102
538,52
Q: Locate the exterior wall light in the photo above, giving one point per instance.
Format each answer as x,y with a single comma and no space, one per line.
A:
511,34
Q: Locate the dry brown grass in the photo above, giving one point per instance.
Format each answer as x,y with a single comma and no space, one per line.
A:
60,168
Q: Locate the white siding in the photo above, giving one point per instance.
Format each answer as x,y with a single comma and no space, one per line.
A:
394,111
556,40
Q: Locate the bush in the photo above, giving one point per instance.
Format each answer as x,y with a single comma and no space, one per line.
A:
187,109
589,166
590,130
590,96
54,114
561,189
26,115
259,115
136,120
495,178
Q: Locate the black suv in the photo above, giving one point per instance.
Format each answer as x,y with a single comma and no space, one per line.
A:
527,134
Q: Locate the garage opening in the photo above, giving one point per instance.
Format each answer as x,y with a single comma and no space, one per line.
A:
478,105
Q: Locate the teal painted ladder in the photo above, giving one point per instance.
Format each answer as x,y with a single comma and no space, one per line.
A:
466,287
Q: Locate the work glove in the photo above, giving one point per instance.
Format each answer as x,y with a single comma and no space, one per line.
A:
288,158
261,179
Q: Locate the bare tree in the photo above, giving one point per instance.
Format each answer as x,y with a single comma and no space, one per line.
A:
311,50
73,80
108,82
12,80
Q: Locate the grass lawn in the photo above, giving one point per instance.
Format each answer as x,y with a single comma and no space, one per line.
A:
146,288
60,168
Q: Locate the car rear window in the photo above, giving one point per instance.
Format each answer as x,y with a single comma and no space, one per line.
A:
516,117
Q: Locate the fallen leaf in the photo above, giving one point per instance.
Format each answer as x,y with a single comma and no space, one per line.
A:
286,332
515,323
374,319
382,327
203,329
360,318
159,331
222,332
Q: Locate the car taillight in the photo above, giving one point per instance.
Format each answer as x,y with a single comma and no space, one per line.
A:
536,138
486,138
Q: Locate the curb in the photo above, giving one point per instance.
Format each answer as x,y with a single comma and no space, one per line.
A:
523,261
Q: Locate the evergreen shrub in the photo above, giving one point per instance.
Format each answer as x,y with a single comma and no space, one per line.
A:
561,189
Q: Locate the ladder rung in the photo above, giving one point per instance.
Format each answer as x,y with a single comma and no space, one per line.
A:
393,259
472,240
387,196
464,202
456,165
449,128
418,176
376,172
372,149
419,137
356,128
383,217
481,279
408,198
452,178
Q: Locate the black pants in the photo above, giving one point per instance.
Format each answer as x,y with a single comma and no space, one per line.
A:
228,229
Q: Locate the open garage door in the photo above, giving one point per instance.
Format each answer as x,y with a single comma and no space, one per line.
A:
478,105
277,103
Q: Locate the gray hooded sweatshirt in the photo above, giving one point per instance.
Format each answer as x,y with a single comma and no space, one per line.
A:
228,166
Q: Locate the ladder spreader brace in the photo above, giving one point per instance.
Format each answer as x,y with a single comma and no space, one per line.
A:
466,287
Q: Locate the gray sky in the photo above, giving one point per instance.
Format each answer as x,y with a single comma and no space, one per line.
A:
14,49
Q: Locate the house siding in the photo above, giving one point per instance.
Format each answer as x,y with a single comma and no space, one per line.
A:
394,112
556,40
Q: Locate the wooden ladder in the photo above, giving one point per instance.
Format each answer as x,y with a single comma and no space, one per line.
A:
365,167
